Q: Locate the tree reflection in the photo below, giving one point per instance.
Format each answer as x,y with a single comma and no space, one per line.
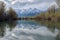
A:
2,28
51,25
11,24
5,25
58,36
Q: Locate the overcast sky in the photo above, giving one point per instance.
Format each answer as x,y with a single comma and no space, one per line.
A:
17,4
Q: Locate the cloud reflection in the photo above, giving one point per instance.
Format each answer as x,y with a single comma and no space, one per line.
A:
30,31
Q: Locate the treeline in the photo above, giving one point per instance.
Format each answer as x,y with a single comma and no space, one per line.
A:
9,14
51,14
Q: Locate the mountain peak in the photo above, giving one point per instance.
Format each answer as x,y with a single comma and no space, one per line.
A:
28,12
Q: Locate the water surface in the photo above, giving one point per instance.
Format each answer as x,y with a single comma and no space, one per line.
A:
29,30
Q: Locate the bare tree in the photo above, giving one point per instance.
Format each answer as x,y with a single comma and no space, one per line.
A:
52,9
2,7
58,2
11,13
2,10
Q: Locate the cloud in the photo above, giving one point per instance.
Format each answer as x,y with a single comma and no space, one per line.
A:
17,4
29,33
42,6
27,1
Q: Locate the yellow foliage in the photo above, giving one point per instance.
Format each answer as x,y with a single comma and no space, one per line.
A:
55,14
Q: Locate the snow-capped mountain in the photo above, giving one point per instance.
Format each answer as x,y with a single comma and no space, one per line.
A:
28,12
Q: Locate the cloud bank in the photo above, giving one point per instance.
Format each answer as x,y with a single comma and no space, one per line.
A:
18,4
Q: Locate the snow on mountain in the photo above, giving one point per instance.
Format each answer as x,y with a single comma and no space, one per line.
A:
28,12
33,11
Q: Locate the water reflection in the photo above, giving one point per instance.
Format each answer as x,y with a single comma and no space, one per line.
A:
2,29
4,26
58,36
28,30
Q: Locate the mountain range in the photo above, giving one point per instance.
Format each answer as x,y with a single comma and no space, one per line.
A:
27,12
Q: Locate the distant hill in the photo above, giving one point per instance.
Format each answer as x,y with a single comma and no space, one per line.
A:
28,12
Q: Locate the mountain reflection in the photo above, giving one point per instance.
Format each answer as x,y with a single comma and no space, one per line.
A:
29,30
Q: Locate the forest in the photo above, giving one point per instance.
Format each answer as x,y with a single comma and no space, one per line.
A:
5,14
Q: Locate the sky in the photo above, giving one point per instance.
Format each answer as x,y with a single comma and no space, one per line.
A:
20,4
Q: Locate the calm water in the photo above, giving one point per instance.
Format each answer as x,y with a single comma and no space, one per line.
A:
29,30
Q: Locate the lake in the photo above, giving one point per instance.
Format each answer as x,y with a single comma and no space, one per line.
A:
29,30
